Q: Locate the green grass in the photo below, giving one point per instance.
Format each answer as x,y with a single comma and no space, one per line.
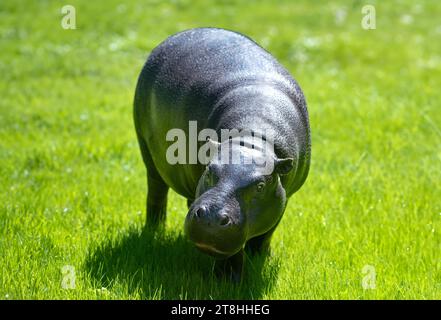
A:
72,183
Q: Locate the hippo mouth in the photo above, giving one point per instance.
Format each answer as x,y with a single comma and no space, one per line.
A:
212,250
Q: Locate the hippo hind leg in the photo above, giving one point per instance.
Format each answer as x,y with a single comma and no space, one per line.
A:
157,190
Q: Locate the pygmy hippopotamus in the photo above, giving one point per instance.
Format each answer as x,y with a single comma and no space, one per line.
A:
220,81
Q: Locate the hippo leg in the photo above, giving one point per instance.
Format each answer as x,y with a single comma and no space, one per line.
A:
231,268
156,206
156,201
261,244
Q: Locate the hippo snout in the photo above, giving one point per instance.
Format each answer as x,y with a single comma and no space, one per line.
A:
217,232
202,215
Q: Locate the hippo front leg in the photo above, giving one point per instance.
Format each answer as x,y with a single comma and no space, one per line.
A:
261,244
156,205
157,190
231,268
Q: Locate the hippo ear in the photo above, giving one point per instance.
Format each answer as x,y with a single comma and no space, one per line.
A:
283,166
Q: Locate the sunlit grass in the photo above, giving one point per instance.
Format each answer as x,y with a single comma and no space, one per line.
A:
72,183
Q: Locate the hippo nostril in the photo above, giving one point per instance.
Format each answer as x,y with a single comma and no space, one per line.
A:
200,212
224,220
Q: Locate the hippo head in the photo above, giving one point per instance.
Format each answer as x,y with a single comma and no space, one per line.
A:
236,201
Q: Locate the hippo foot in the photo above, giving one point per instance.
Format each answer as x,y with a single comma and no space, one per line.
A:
231,268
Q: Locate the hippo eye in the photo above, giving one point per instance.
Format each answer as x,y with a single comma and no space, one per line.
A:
260,186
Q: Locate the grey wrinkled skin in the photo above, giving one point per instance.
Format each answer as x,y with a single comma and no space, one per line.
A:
222,80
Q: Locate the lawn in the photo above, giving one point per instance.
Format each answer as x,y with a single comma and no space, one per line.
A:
72,182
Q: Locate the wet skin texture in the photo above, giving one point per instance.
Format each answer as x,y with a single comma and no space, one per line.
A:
222,80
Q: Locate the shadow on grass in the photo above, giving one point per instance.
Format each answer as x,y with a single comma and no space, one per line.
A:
163,266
